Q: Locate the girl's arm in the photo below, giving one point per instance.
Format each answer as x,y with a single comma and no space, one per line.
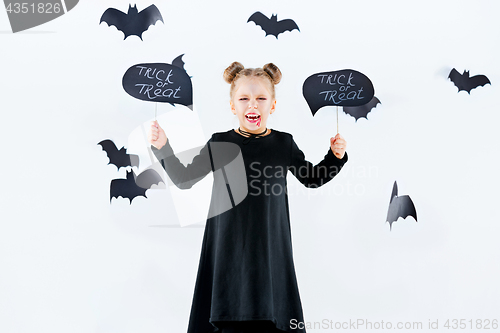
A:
183,177
317,175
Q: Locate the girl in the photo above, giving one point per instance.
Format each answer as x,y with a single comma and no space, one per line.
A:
246,276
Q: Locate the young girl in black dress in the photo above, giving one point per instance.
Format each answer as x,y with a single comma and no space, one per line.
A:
246,277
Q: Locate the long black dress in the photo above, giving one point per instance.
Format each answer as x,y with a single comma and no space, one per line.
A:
246,271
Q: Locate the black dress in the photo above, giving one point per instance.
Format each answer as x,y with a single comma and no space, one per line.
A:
246,271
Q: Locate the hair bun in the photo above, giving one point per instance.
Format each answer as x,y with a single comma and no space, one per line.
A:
273,71
233,70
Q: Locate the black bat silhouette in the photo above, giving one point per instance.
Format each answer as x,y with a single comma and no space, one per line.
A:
271,25
133,22
178,62
362,110
134,186
401,206
120,158
464,82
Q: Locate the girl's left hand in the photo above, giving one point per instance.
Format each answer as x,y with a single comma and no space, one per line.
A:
338,145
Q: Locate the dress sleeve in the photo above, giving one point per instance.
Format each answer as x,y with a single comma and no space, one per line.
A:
184,177
314,175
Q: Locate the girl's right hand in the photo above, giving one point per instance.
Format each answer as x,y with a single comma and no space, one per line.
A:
156,135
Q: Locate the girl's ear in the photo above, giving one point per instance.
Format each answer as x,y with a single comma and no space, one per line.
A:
233,110
273,107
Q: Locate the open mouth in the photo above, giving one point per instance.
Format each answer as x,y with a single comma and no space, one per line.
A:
253,118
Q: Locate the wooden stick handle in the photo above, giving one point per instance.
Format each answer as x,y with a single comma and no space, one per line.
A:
337,120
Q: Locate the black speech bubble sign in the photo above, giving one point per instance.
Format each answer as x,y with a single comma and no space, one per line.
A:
345,87
159,82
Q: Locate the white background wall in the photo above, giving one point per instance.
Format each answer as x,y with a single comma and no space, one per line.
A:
72,262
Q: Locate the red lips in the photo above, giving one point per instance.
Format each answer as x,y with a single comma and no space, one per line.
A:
253,117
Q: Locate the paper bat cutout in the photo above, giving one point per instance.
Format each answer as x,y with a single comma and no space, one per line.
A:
400,206
178,62
134,22
134,186
464,82
362,110
120,158
271,25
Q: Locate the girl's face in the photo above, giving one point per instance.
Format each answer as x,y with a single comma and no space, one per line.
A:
253,103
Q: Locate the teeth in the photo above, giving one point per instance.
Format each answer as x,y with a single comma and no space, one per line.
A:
252,116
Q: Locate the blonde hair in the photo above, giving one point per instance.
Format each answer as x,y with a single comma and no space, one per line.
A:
235,71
